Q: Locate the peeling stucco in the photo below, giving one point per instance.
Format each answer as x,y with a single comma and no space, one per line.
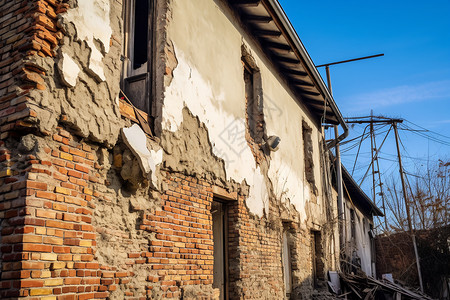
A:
69,70
92,22
226,132
136,140
82,79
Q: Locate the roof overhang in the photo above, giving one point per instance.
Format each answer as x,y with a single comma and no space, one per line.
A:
267,21
359,198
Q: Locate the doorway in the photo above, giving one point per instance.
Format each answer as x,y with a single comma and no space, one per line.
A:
317,258
219,226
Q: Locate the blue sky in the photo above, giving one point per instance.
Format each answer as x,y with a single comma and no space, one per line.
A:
413,35
412,80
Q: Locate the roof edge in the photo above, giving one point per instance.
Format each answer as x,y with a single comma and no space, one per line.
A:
275,5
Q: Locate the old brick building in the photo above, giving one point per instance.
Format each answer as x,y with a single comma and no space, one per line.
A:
189,202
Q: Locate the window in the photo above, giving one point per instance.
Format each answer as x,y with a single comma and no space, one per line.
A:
308,155
352,223
138,68
253,98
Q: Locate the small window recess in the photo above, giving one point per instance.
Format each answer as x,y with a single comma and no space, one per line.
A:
308,156
138,69
352,224
254,99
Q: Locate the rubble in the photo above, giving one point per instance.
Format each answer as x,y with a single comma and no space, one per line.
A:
365,287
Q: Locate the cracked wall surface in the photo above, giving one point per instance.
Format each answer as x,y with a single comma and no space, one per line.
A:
105,211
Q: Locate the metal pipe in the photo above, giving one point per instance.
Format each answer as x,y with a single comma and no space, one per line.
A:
349,60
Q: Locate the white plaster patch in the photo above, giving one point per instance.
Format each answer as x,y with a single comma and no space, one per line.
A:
258,199
135,138
70,70
287,186
156,159
226,132
91,19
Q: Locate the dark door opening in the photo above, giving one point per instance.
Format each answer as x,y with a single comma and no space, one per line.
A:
219,219
317,258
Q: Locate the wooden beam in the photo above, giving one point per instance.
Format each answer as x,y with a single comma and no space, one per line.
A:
287,59
278,46
267,33
257,19
245,2
310,93
329,112
301,82
294,72
313,101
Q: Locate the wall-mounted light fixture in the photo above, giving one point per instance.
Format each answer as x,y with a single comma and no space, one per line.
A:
272,143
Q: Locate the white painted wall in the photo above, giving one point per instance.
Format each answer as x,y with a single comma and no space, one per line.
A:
209,81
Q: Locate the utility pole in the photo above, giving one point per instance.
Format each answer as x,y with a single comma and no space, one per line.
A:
394,125
411,232
372,151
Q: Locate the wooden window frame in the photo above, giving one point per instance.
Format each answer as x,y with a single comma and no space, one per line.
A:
139,84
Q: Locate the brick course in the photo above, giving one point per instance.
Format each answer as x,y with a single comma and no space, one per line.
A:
72,228
27,29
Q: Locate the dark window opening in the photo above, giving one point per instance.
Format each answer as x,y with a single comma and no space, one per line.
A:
138,73
308,152
254,103
141,29
352,223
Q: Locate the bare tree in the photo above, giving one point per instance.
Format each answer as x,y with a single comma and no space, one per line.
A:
428,198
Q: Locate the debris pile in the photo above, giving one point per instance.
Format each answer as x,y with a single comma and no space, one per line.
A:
363,287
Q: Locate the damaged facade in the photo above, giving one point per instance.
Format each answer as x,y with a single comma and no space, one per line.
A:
358,237
136,153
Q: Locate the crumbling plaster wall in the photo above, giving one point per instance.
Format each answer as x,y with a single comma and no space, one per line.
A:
208,80
82,82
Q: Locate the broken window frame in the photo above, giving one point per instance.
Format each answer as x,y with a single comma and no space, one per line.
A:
138,83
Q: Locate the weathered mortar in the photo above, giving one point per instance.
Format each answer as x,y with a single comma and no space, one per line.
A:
133,236
89,108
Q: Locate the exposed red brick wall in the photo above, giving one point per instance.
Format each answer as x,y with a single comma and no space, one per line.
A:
47,237
49,240
27,29
52,197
